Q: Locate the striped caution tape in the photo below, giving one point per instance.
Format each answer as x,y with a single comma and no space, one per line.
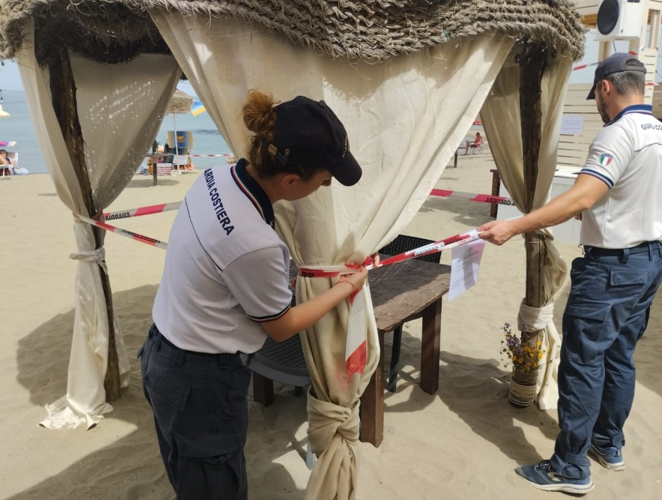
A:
445,244
123,232
137,212
583,66
482,198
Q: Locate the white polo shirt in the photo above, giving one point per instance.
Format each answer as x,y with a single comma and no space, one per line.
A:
226,269
627,156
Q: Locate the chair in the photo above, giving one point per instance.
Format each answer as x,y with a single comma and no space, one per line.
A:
399,245
280,361
474,149
13,156
179,161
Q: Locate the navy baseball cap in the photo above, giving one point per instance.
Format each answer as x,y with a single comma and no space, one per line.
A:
310,135
615,63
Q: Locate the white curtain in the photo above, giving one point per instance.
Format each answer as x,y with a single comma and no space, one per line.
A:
501,118
120,109
405,119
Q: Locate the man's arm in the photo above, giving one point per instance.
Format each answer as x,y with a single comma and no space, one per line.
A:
586,191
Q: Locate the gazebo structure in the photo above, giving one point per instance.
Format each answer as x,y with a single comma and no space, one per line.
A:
407,77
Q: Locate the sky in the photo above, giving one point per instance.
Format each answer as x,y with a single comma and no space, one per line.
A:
10,79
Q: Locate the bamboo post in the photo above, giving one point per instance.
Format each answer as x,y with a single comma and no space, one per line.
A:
63,92
532,66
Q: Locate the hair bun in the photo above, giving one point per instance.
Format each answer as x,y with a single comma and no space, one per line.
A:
259,113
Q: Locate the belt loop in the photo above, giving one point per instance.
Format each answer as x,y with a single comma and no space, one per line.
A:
650,250
179,356
625,256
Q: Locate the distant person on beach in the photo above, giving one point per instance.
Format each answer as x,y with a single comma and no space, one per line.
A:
618,196
6,164
475,143
225,289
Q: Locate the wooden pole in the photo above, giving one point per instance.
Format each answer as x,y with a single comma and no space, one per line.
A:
63,92
532,66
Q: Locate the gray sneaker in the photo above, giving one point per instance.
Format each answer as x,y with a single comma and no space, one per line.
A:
610,458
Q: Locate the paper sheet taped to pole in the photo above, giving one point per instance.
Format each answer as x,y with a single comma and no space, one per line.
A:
465,264
572,125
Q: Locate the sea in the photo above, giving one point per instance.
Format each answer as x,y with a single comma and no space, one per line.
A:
18,127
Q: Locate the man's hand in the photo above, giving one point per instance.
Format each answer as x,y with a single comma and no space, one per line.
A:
497,232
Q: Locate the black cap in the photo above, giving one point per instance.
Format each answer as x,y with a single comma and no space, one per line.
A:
615,63
309,134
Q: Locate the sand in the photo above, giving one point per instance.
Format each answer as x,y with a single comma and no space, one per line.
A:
462,442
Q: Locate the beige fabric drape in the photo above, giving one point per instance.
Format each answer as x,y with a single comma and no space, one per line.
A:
501,118
120,109
405,119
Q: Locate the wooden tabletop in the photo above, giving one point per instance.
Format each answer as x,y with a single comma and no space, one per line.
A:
401,291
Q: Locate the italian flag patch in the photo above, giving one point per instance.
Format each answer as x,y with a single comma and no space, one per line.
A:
605,159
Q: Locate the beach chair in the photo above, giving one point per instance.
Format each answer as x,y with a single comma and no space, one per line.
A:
179,163
6,171
399,245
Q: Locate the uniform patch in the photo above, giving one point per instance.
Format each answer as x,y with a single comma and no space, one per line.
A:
605,159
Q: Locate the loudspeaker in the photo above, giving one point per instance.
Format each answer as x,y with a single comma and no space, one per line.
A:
619,20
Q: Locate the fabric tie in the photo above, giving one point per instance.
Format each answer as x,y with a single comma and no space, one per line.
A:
97,256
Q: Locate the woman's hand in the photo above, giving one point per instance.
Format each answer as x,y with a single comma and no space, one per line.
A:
355,279
375,259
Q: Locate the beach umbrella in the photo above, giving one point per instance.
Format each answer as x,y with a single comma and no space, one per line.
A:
180,104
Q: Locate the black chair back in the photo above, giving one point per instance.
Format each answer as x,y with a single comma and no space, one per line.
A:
405,243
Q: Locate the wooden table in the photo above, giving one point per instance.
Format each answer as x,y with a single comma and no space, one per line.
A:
400,293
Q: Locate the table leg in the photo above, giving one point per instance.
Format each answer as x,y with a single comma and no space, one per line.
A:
263,389
154,174
372,404
430,347
455,160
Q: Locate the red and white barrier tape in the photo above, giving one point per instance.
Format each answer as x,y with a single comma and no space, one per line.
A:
137,212
123,232
159,155
582,66
445,244
167,207
482,198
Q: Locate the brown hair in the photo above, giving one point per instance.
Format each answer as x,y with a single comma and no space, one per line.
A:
260,117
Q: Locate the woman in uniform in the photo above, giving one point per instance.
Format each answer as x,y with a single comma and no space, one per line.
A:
225,288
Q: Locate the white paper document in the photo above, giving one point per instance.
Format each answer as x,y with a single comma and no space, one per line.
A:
572,124
465,264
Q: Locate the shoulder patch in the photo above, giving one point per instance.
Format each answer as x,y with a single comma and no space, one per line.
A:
605,159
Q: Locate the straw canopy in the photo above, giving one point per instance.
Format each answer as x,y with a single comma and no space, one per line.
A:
180,104
369,30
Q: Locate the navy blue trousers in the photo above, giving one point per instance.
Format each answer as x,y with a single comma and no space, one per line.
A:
200,404
606,315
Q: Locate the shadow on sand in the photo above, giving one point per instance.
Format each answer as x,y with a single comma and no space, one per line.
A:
131,467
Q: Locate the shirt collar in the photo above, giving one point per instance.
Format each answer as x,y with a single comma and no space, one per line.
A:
253,191
635,108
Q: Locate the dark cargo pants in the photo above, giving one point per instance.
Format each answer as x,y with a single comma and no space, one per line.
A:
201,416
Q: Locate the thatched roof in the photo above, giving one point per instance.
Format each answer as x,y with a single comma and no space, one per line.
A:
180,104
369,30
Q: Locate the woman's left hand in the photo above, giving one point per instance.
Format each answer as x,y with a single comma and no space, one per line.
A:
375,259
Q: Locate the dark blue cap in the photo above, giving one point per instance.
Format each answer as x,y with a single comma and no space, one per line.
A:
615,63
310,135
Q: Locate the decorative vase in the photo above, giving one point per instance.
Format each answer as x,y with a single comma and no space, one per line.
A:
522,387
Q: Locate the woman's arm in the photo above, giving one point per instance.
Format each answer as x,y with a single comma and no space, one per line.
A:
307,314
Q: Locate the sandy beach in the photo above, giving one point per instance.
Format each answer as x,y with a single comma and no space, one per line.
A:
463,442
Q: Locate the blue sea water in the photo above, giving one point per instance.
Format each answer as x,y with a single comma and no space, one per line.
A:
206,137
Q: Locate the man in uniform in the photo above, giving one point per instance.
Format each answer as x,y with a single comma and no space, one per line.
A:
617,196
